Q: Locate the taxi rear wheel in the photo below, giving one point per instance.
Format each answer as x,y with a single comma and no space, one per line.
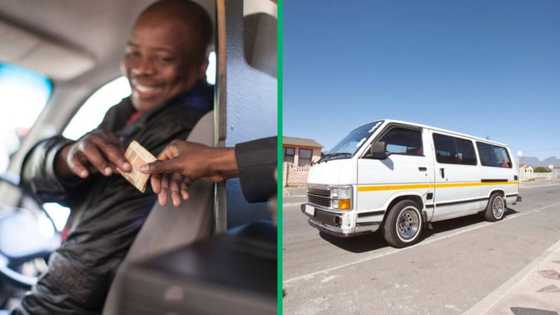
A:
403,225
496,208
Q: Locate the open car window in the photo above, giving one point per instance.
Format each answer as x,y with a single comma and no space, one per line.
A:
91,113
23,95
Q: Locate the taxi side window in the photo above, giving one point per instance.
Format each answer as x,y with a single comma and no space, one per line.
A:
493,155
453,150
403,141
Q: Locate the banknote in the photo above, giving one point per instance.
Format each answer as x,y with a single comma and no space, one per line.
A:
137,156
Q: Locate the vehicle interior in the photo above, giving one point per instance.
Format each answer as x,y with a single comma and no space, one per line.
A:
59,73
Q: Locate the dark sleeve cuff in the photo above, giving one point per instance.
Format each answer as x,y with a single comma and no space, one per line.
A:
38,170
257,168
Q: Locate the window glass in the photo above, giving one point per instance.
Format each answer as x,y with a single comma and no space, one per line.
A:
304,157
445,149
465,151
454,150
92,112
353,141
403,141
23,95
289,155
211,70
493,155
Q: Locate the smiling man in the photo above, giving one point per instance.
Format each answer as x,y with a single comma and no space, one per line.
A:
165,62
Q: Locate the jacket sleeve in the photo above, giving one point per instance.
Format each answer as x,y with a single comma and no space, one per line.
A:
257,168
38,172
38,169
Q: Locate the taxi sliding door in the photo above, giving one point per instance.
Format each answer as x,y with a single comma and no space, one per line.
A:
457,177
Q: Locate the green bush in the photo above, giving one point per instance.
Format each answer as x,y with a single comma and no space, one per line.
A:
542,169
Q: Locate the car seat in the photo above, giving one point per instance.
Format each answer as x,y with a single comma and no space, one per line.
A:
167,227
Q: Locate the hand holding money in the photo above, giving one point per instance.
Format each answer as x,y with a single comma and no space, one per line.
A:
137,156
182,162
98,150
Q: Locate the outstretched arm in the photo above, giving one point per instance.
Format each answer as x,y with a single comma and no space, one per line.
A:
54,167
183,162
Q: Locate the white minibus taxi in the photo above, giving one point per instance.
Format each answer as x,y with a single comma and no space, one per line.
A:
396,177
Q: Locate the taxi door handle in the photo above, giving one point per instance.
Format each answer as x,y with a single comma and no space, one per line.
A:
422,169
442,172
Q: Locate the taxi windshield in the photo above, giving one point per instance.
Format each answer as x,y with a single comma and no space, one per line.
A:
348,146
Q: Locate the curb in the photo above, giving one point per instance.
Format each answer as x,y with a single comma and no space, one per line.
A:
494,298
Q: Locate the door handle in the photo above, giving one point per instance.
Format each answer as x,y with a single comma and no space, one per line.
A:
442,172
422,169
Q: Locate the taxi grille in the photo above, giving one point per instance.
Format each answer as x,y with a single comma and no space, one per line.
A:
319,197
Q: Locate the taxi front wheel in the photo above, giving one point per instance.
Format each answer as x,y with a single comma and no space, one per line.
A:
403,225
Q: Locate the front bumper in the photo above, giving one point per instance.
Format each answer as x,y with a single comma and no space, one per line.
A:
332,222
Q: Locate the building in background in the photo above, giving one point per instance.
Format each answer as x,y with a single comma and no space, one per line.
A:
529,173
526,172
299,153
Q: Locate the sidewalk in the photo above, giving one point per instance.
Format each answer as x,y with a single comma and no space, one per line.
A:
535,290
294,191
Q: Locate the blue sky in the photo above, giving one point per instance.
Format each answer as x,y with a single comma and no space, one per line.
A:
486,68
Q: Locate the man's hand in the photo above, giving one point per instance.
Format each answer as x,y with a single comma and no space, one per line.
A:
98,150
181,163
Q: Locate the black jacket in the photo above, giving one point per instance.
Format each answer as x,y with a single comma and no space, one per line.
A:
107,212
257,168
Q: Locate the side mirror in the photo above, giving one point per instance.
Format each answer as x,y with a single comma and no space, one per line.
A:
378,151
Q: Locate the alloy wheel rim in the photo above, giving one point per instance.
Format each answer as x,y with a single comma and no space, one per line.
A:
498,207
408,224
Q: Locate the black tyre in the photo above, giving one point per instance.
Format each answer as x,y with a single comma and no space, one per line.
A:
403,225
5,293
496,208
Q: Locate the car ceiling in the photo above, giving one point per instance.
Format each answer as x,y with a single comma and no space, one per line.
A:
92,34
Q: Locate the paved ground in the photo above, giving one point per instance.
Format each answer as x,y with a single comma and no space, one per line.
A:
535,290
463,264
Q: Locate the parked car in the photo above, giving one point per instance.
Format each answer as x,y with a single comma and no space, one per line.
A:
398,176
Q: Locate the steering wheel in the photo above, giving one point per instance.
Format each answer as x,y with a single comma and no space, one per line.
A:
11,262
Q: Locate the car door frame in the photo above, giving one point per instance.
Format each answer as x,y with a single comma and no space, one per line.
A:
457,191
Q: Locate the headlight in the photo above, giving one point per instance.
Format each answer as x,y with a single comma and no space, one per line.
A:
341,197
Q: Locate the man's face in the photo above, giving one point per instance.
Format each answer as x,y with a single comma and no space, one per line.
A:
157,62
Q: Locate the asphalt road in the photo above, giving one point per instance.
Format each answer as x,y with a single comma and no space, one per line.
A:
456,265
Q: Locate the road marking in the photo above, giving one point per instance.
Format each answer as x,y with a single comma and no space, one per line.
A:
486,304
327,279
392,251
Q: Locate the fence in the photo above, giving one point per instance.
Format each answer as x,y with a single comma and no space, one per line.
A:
529,176
295,175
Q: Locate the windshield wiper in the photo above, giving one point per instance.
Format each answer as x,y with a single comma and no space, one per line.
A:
334,156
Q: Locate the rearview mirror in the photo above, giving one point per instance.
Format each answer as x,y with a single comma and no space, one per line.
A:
378,150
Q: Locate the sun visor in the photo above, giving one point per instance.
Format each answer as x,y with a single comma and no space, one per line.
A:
260,6
42,54
259,35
